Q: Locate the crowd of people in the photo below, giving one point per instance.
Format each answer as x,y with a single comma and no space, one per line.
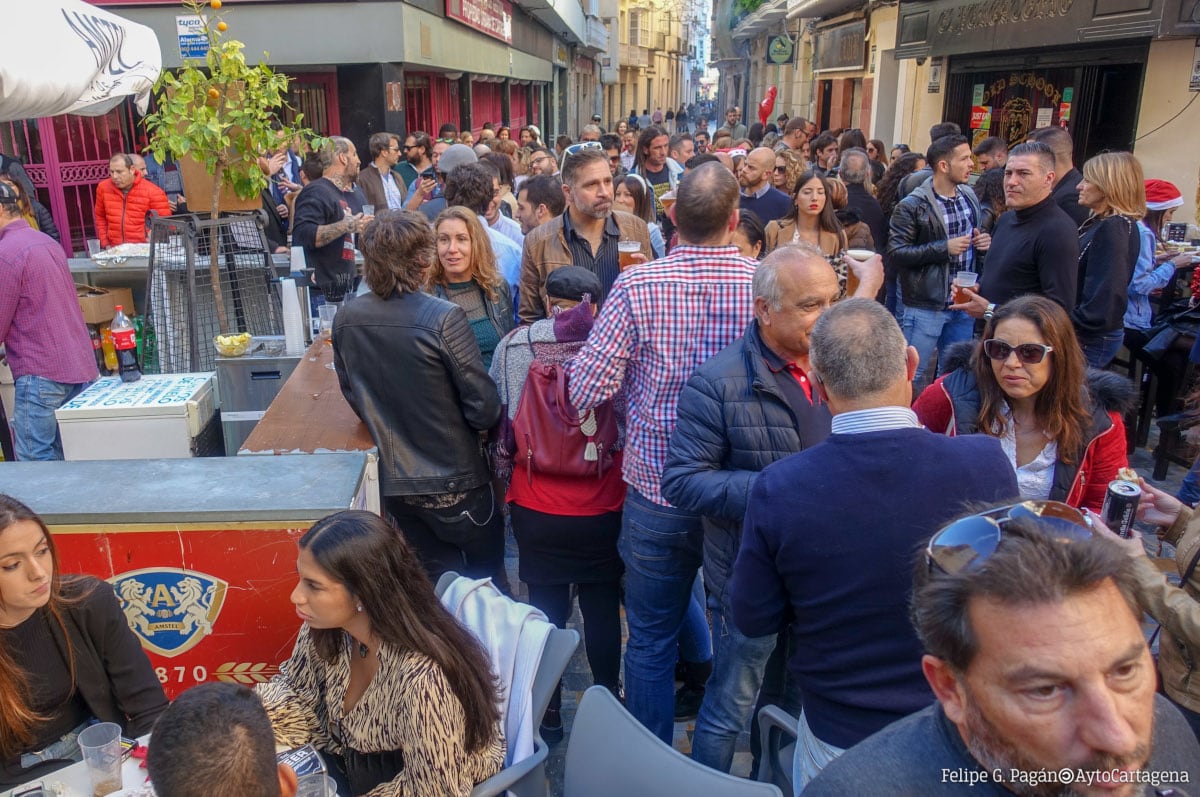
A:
739,384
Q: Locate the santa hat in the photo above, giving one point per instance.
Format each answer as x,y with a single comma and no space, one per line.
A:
1161,195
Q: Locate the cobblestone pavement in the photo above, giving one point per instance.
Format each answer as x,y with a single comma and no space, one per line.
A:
578,677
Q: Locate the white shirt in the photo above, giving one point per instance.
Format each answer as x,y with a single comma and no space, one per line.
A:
1036,477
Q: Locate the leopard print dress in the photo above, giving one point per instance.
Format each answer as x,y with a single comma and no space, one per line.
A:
408,707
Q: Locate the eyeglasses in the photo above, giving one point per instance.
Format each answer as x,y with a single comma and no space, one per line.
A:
1027,353
966,543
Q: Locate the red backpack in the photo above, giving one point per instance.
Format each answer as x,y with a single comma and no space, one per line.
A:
552,437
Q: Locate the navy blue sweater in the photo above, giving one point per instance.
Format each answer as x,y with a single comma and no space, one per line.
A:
830,540
770,206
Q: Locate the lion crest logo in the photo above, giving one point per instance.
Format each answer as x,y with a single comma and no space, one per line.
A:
170,610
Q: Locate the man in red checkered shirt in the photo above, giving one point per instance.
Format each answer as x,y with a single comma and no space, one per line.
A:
661,320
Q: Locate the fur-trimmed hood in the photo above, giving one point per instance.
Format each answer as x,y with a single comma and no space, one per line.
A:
1112,392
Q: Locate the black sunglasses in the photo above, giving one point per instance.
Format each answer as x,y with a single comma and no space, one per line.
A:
966,543
1027,353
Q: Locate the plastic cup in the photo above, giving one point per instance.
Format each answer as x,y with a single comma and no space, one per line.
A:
326,312
964,279
101,748
368,210
316,786
625,252
93,245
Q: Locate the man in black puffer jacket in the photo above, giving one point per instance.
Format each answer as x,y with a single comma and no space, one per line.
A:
746,407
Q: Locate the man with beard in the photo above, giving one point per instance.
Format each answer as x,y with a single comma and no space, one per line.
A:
758,195
1044,682
325,221
586,235
654,165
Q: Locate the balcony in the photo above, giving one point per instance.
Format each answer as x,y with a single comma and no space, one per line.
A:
595,35
764,18
634,56
658,41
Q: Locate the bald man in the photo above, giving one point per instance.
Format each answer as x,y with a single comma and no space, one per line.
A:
758,194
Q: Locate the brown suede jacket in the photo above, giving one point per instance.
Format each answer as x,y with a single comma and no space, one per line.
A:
1177,610
546,249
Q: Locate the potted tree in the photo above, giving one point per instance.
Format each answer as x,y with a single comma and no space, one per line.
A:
215,117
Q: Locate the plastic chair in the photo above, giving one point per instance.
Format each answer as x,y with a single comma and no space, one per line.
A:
610,753
777,735
527,777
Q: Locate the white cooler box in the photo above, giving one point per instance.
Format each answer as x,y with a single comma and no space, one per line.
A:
160,416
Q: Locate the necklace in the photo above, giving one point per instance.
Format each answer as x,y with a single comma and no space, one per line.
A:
362,650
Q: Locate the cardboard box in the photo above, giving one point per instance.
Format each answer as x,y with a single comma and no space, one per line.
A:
99,304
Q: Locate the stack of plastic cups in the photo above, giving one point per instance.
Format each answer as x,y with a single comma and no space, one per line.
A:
293,321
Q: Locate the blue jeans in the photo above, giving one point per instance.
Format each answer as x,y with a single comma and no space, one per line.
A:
1100,350
738,666
34,402
1189,490
661,548
932,330
695,640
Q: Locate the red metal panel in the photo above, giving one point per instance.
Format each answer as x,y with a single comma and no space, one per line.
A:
238,631
517,106
431,100
315,95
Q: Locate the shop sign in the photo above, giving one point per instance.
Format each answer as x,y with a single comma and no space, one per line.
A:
1194,83
993,13
935,75
1044,117
1064,113
558,55
977,94
193,43
843,47
781,50
491,17
981,117
1028,80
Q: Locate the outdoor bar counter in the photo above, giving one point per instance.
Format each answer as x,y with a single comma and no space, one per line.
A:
201,552
310,416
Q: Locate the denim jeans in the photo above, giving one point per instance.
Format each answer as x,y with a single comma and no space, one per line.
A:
695,640
928,331
1100,350
738,665
34,402
661,548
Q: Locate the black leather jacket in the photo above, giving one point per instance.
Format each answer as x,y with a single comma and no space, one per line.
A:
917,247
411,369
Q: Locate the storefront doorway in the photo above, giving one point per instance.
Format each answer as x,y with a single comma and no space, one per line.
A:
1094,93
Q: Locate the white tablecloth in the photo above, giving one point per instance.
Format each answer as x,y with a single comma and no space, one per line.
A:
73,781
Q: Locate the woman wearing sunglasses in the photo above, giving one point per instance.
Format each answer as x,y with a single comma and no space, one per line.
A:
1027,384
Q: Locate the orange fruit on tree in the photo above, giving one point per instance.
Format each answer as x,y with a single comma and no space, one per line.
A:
221,26
214,94
216,4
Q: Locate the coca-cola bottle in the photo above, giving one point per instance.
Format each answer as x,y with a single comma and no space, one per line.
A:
98,350
125,342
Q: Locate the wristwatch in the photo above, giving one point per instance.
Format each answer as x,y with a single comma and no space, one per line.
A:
990,311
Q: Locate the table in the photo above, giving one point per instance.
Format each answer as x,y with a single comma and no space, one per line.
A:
74,781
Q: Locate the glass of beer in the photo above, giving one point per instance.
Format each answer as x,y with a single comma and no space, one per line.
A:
625,251
861,255
964,279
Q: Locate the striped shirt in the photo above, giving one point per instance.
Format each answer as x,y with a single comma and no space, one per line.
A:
605,262
875,419
661,320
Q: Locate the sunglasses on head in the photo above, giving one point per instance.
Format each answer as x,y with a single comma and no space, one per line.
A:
966,543
1027,353
575,149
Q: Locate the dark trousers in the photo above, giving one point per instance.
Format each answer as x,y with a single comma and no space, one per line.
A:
467,537
600,606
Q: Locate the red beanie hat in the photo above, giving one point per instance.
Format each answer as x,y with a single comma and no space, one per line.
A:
1161,195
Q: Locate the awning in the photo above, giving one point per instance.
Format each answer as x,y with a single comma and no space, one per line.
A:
71,57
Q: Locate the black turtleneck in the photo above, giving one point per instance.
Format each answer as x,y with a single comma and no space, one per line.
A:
1034,250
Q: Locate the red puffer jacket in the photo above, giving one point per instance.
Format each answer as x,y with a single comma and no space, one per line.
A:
121,217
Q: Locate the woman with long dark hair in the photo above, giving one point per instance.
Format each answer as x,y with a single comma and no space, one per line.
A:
67,656
812,220
632,195
888,188
1027,384
382,677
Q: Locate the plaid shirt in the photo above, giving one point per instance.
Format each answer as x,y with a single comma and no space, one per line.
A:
659,323
959,220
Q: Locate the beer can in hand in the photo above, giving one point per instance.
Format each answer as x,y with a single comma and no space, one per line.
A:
1120,505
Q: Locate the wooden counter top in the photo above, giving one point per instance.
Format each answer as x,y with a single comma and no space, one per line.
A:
309,415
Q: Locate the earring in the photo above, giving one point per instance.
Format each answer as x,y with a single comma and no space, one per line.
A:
360,607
